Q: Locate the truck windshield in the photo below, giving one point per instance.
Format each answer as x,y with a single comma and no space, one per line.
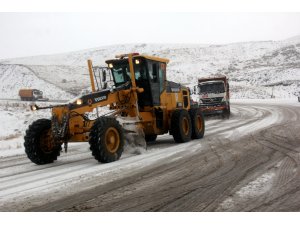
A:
212,87
121,73
37,92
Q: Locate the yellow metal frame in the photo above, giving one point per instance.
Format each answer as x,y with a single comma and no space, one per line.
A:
90,65
154,58
79,129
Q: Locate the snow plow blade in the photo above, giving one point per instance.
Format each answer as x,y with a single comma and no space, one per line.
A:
134,137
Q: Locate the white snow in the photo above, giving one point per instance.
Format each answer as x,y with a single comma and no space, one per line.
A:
15,77
257,187
15,118
252,190
255,69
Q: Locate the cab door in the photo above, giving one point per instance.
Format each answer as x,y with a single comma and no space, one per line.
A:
142,81
153,70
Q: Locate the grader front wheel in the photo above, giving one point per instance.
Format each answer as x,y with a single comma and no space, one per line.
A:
39,144
106,140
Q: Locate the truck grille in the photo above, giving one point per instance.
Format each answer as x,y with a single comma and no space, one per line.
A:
212,100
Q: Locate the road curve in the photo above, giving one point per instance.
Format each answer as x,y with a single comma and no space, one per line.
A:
247,163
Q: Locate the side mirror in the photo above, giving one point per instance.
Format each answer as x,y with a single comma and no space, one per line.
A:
104,76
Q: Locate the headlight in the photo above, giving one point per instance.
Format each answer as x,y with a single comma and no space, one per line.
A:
110,65
79,101
33,107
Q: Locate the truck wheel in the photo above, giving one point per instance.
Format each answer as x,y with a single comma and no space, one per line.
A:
150,137
106,140
39,144
181,126
226,113
198,124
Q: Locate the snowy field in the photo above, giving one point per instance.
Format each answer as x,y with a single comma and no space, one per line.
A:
15,117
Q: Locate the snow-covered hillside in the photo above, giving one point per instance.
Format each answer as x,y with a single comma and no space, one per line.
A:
14,77
256,69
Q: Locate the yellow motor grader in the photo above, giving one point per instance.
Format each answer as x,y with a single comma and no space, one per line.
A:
139,99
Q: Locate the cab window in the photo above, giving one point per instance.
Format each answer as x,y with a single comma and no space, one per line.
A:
121,73
140,71
153,71
162,75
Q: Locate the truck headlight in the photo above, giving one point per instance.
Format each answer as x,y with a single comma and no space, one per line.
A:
79,101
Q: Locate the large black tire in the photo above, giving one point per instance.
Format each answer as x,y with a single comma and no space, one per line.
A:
106,139
150,137
39,144
181,127
198,123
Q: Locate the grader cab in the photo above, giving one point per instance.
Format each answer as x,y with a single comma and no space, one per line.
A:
138,100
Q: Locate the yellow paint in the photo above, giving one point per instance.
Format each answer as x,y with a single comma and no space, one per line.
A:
90,65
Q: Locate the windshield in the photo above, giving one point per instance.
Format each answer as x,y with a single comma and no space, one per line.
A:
37,92
121,73
212,87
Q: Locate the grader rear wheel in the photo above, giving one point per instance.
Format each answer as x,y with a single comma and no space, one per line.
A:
39,144
181,127
106,139
198,124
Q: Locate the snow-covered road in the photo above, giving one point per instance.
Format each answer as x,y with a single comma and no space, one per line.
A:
244,163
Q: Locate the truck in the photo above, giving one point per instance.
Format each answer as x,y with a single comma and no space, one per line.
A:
214,96
31,95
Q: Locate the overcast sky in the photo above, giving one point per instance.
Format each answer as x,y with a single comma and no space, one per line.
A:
25,34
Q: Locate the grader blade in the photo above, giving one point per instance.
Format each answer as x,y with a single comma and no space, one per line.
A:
134,143
134,137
